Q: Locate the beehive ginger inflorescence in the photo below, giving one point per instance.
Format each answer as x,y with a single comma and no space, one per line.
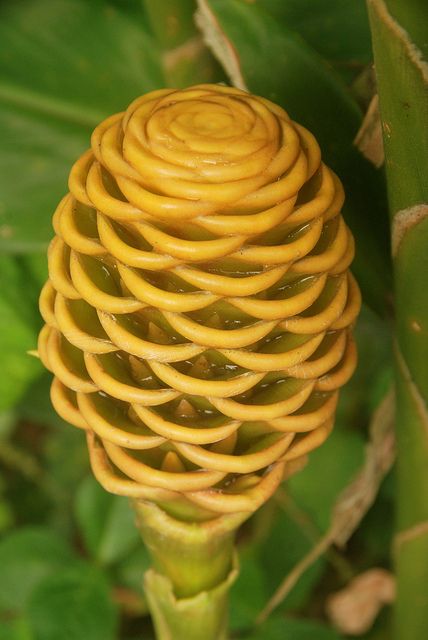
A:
199,304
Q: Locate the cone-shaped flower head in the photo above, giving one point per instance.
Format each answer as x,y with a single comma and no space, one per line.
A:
199,303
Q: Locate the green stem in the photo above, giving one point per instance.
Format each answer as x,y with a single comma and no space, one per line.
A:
194,567
401,53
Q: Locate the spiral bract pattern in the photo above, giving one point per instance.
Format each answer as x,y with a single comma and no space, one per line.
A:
199,303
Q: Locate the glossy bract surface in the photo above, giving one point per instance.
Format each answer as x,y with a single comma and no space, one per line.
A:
199,303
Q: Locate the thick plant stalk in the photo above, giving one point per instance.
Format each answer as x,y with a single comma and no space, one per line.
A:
400,50
194,567
198,322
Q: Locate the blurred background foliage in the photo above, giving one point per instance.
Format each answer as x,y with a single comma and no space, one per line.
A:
71,562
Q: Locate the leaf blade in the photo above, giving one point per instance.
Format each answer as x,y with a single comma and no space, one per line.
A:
73,604
48,108
288,72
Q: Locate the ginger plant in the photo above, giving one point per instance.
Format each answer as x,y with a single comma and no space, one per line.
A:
198,318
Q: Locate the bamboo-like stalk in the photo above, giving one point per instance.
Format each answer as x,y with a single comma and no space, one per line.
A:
400,52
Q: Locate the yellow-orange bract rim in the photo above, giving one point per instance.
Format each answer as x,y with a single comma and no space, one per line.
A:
199,303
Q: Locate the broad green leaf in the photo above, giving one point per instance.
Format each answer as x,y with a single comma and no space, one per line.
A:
285,546
338,29
73,604
373,375
6,515
61,453
36,265
66,462
86,61
107,522
330,468
279,65
249,593
40,148
184,57
131,568
304,514
19,324
35,405
18,629
20,289
277,628
27,557
90,60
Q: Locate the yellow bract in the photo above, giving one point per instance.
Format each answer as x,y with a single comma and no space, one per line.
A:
199,304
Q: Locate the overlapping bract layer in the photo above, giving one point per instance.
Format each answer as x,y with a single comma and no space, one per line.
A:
199,300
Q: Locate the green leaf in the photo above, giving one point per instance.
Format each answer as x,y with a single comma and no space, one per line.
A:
6,515
131,568
66,463
26,558
284,628
16,630
7,424
90,59
285,546
19,323
185,59
338,29
279,65
73,604
374,537
107,522
330,468
20,289
35,404
372,378
36,265
15,340
40,148
49,108
249,593
304,515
